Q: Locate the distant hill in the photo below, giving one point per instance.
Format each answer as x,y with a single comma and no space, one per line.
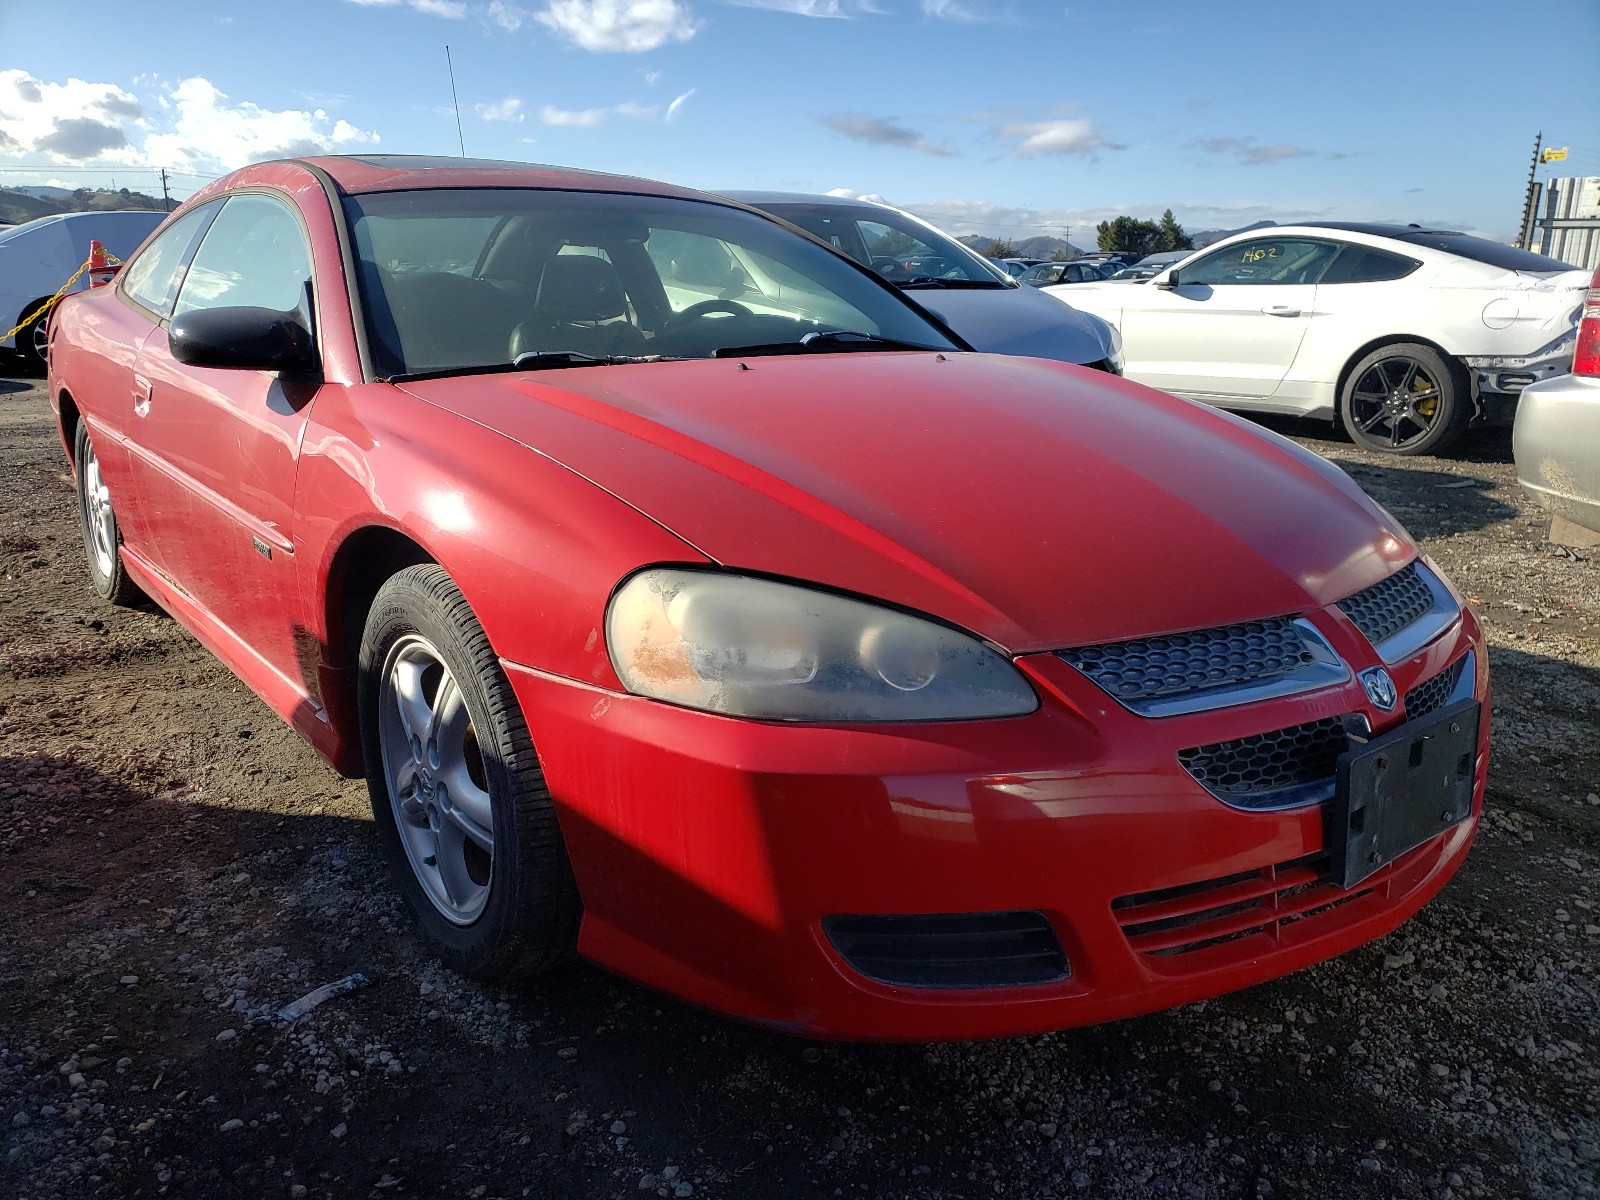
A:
21,204
1207,236
1034,247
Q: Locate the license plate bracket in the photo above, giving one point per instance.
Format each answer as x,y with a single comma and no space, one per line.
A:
1400,789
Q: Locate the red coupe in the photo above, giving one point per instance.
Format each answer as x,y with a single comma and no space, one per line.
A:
693,602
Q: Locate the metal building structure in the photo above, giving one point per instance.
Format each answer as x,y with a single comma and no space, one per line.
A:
1564,220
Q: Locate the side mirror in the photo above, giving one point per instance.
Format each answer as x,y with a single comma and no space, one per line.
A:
1170,282
242,339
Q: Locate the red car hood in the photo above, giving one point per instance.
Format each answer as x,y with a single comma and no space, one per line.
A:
1037,504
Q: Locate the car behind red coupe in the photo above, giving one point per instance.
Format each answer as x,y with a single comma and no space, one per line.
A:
692,601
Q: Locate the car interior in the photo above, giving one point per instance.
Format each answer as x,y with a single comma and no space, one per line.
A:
575,282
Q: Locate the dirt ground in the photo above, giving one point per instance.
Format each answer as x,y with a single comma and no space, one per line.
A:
175,865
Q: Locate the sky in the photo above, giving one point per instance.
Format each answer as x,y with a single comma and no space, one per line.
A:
1007,118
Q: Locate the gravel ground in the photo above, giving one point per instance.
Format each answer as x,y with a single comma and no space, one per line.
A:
177,865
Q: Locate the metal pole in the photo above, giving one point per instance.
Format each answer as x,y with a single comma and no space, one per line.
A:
1551,194
166,196
1529,211
460,137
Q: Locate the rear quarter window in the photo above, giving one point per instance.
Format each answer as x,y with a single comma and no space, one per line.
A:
1363,264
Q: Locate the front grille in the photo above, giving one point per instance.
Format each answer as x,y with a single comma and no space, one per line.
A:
1387,607
1232,655
1431,695
1270,770
951,950
1263,904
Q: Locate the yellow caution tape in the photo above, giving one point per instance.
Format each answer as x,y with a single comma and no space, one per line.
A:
111,260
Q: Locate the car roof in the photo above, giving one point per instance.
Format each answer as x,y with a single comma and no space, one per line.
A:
757,198
1374,228
359,173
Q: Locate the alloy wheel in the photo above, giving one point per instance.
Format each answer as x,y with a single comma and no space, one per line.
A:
1396,401
437,784
98,517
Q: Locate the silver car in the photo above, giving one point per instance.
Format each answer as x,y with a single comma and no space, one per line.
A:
971,294
1556,438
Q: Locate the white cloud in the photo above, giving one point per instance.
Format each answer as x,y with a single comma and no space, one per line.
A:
586,118
451,9
955,10
1067,136
844,193
509,109
622,26
677,104
210,131
836,9
73,121
509,17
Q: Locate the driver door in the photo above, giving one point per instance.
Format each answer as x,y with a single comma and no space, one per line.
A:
224,445
1229,331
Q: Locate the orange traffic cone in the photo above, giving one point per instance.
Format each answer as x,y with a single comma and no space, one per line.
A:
100,271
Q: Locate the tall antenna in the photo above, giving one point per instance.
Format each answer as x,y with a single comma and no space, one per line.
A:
460,138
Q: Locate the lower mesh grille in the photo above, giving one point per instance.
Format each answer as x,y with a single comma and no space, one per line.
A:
1426,697
954,950
1176,921
1270,770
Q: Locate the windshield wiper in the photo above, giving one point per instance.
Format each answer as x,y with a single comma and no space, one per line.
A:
829,339
930,281
536,360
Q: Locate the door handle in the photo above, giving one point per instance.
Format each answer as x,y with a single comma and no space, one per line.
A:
141,396
1281,310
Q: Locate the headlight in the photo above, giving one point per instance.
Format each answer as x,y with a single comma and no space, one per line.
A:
754,648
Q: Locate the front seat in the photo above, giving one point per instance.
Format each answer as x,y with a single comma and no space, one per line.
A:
580,306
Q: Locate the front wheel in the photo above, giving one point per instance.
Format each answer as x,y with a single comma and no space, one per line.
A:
457,792
1405,398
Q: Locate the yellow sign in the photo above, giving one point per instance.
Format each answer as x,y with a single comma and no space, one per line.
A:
1553,155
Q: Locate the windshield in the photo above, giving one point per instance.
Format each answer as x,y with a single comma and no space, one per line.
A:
899,247
464,279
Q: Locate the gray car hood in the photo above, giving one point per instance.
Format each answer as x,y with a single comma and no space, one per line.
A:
1020,320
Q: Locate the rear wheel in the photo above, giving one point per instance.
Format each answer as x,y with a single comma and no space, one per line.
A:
1405,398
457,792
102,539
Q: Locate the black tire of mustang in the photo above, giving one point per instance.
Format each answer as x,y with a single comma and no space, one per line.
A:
505,912
1405,398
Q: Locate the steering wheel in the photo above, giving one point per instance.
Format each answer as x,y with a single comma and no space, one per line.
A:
704,309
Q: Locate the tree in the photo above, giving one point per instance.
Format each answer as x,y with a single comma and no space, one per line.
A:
1001,248
1129,235
1172,235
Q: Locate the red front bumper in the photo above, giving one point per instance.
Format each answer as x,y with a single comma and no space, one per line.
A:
709,850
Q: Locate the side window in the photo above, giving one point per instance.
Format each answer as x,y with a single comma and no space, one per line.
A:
254,254
151,280
1363,264
1263,260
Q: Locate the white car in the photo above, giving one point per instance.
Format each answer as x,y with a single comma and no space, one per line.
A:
38,256
1405,333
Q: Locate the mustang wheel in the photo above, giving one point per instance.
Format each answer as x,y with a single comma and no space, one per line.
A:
1405,399
459,798
101,537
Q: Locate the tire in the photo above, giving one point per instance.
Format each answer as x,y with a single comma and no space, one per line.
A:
33,342
458,795
102,537
1405,398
